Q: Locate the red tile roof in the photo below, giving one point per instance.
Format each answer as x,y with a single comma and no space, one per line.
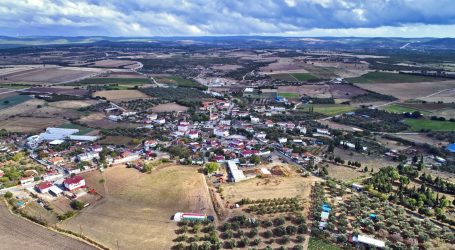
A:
73,180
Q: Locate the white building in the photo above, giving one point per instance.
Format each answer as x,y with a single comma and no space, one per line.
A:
236,174
89,156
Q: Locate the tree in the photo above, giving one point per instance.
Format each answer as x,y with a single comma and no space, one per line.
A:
77,205
255,159
8,195
211,167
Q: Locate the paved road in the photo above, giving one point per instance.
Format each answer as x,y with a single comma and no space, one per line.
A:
18,233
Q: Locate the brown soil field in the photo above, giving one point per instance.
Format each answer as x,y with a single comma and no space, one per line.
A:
51,75
447,96
125,74
267,188
121,95
345,70
405,91
334,125
169,107
37,108
345,91
345,173
18,233
30,124
428,106
136,212
72,104
420,138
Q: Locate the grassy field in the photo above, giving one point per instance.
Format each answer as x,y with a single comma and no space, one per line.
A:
396,108
289,95
136,210
131,81
328,109
384,77
179,81
418,124
292,77
318,244
82,130
13,100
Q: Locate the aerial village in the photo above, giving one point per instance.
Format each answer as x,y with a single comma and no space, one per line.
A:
229,164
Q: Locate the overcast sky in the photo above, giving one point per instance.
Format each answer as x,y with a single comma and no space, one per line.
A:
399,18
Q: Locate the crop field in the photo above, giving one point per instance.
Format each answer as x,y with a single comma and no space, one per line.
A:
294,77
138,213
51,75
289,95
178,81
385,77
318,244
13,100
108,80
329,109
18,233
109,63
121,95
419,124
406,91
398,108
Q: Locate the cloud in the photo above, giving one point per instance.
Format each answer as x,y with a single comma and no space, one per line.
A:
215,17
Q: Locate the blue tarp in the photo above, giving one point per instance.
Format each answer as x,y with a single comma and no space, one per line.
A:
451,148
326,208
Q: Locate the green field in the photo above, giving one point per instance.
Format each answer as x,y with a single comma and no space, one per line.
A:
396,108
82,130
318,244
289,95
419,124
179,82
328,109
293,77
13,100
384,77
132,81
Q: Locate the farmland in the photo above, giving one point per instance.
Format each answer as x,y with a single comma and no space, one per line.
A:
318,244
383,77
328,109
29,124
138,212
397,108
13,100
419,124
46,75
18,233
120,95
289,95
169,107
106,80
179,82
293,77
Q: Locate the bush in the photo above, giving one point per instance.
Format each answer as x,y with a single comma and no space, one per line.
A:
77,205
8,195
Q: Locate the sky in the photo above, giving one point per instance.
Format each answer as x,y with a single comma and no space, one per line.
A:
145,18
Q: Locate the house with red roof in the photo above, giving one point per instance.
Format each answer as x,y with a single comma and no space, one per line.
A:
44,187
73,183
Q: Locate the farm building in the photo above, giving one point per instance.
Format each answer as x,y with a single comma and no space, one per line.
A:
235,173
192,217
56,135
73,183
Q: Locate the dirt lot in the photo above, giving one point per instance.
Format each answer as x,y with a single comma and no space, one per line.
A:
169,107
345,173
121,95
30,124
137,209
99,120
17,233
404,91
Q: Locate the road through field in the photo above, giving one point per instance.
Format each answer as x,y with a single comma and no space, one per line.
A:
18,233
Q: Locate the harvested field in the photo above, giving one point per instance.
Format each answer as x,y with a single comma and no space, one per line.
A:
138,213
29,124
72,104
59,91
405,91
169,107
345,91
446,96
115,80
121,95
334,125
328,109
345,173
18,233
421,138
51,75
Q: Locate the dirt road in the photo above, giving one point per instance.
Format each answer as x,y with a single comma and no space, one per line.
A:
18,233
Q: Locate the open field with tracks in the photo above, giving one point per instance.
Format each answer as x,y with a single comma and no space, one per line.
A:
137,208
121,95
